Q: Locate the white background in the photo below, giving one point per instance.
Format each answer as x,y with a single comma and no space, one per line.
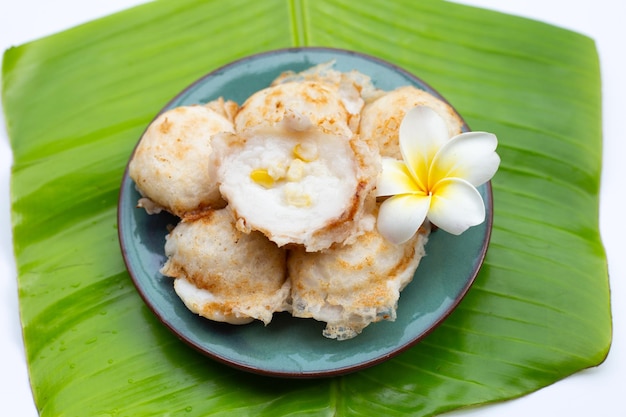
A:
593,392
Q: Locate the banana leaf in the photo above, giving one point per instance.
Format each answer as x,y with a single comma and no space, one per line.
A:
77,102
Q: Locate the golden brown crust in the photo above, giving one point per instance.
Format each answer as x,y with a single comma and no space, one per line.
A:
380,119
170,164
351,286
311,100
243,274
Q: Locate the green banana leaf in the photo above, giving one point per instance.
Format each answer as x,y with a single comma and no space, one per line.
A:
77,102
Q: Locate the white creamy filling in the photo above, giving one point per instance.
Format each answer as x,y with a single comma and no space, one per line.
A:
312,181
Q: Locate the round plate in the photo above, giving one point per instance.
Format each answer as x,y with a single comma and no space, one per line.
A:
291,347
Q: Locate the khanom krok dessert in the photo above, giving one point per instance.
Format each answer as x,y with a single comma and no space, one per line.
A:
277,200
224,274
169,165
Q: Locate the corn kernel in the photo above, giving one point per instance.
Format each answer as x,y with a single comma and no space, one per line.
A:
277,171
262,177
295,196
295,172
307,151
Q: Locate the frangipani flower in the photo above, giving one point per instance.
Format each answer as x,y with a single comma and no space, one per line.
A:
437,178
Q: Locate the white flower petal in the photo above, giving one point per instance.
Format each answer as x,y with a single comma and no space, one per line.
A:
422,132
470,156
395,179
400,216
456,205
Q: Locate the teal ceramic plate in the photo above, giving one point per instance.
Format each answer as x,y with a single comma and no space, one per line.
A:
291,347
